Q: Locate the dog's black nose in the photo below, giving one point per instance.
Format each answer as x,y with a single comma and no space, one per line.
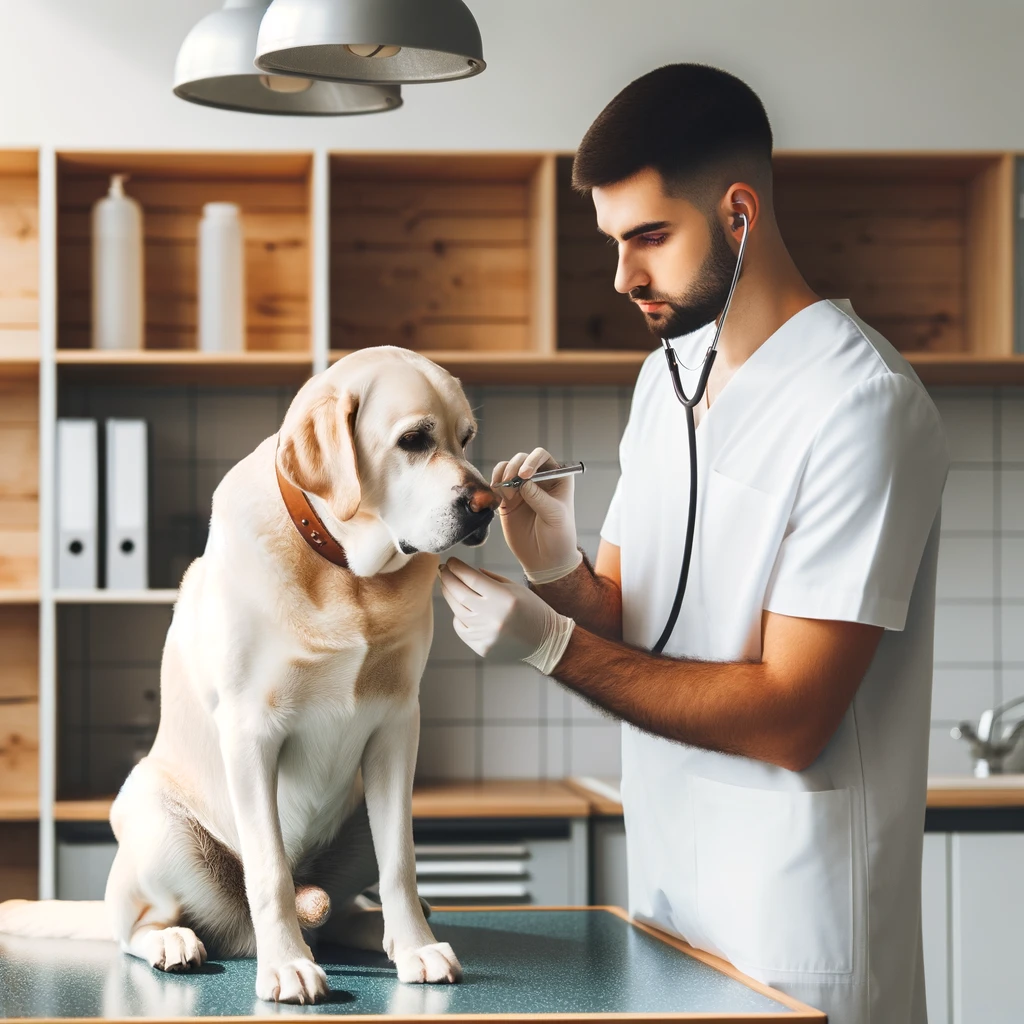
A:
478,500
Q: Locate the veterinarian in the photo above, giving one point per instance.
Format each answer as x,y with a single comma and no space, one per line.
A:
774,755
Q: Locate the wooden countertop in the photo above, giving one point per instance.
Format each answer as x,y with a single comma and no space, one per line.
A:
571,798
491,799
953,791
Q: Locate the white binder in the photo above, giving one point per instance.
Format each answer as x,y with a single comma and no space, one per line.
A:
77,501
127,507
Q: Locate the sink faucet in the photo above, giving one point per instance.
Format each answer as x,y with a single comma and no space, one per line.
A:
987,749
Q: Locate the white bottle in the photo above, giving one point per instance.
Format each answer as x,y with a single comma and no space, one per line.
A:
221,279
117,273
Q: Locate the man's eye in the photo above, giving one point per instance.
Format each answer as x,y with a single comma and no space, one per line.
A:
414,441
653,240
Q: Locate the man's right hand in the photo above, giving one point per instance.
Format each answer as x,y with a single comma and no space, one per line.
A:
538,519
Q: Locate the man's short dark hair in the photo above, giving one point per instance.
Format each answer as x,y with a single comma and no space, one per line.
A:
694,124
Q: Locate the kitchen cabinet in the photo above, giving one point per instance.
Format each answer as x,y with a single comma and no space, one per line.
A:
987,908
935,924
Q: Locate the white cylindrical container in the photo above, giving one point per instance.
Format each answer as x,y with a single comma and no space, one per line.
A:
221,279
117,289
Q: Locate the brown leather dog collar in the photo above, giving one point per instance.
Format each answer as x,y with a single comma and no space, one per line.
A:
310,526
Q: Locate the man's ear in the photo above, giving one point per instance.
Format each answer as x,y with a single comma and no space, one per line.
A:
318,452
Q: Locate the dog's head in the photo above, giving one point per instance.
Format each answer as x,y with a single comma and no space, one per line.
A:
383,433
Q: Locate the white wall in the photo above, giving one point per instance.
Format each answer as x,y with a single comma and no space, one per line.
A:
856,74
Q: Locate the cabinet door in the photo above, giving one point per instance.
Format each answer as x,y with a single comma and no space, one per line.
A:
988,908
608,871
935,924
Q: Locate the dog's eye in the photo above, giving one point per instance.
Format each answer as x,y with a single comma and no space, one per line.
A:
466,440
414,441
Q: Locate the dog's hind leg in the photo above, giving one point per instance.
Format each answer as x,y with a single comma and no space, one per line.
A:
146,915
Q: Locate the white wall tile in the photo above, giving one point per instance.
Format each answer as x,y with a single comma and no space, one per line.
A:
511,751
1013,633
965,567
556,435
1011,441
967,502
556,700
595,425
581,710
496,556
968,421
964,633
510,423
962,693
1012,566
947,756
511,692
596,749
447,646
230,425
448,693
592,496
1012,506
1012,687
555,764
447,752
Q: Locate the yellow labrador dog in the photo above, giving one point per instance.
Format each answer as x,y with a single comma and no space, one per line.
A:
289,716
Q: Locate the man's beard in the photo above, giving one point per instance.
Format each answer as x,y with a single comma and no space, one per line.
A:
704,301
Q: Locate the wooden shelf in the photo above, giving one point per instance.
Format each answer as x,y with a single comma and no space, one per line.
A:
177,366
492,799
19,808
963,368
273,191
19,597
153,596
562,368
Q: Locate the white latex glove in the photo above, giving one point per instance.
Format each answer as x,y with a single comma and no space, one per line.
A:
495,616
538,520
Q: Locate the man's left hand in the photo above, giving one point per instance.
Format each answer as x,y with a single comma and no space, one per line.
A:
493,615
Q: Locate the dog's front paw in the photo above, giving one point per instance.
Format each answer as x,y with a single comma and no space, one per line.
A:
297,981
428,964
173,949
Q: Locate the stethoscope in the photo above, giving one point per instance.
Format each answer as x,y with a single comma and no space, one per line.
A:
689,401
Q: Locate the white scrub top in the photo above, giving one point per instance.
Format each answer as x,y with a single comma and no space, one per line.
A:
821,466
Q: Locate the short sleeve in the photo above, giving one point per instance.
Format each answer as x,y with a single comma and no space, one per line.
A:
610,527
865,504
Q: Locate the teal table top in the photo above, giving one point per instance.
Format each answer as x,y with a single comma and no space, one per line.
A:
516,962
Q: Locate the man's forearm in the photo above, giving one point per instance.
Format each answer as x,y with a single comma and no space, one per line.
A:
591,600
730,707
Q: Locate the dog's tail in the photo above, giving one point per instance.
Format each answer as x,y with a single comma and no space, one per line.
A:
56,919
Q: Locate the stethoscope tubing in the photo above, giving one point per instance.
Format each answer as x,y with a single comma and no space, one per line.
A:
688,403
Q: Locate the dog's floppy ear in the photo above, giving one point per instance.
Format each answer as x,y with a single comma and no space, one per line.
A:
317,451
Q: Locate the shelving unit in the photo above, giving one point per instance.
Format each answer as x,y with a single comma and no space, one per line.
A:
488,263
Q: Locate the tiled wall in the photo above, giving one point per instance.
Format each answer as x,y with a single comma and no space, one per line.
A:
489,720
979,621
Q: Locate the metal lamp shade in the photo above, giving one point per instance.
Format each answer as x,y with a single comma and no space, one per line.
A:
375,41
214,68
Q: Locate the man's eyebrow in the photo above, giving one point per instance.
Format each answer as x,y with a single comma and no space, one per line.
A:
640,229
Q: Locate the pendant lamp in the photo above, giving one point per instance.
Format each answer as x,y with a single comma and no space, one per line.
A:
214,68
373,41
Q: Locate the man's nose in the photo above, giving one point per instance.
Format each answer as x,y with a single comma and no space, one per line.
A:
629,276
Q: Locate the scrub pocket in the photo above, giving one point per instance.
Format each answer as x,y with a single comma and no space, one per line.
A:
775,876
738,532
